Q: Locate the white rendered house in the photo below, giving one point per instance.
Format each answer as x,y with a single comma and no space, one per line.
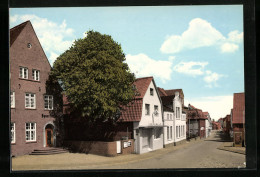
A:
146,114
174,100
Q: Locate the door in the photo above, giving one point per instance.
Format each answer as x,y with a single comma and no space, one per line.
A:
49,137
145,138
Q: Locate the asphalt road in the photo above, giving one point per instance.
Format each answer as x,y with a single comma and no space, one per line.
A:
199,155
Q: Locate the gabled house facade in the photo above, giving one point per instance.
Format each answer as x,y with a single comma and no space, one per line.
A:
238,119
196,122
146,115
32,125
173,101
208,123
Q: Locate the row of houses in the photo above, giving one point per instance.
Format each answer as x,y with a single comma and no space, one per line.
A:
156,117
233,125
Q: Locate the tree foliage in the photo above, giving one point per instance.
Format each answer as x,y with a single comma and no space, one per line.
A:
94,76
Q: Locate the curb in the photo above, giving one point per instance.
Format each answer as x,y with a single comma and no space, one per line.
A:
230,150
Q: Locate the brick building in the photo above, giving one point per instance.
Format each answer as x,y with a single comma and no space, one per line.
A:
196,122
238,118
32,125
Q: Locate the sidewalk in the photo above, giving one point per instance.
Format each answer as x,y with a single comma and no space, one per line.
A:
228,146
68,161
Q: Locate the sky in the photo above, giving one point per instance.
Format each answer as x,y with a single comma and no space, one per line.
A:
196,48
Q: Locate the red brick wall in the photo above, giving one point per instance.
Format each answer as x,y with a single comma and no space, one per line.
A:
129,149
202,123
32,58
98,147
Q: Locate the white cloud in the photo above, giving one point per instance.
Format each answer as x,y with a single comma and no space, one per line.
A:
53,57
217,106
190,68
229,48
235,36
211,78
143,66
53,36
171,58
13,19
201,33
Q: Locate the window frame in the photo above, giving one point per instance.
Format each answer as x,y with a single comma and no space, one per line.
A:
171,132
147,109
30,130
12,99
48,102
168,133
34,74
177,136
177,112
12,128
22,76
30,102
151,91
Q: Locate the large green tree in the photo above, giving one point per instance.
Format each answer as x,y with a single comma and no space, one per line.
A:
95,77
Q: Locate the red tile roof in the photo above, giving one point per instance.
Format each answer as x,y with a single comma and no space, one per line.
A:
133,112
167,100
161,91
195,113
15,31
238,108
142,85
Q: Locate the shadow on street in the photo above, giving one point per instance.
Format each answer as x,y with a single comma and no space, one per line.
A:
220,136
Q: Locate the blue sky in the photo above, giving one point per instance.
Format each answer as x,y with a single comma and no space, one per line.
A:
196,48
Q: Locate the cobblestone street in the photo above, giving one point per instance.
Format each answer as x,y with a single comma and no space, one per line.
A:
195,154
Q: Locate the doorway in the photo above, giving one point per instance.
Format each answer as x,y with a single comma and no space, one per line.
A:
49,135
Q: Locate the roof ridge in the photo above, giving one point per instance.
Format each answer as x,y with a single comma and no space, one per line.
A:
144,77
13,28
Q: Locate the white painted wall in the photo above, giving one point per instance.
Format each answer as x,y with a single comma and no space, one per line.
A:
147,120
179,122
168,123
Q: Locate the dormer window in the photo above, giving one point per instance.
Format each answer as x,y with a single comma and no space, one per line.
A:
23,73
151,91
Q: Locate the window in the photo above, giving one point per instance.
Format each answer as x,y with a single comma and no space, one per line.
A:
30,100
156,110
178,112
36,74
151,91
23,73
167,116
157,133
177,135
147,109
30,131
48,102
171,116
12,132
179,131
12,99
171,132
168,137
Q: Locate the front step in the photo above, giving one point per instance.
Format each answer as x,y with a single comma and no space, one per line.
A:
48,151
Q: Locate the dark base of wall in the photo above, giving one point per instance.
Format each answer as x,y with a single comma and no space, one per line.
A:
168,145
179,142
